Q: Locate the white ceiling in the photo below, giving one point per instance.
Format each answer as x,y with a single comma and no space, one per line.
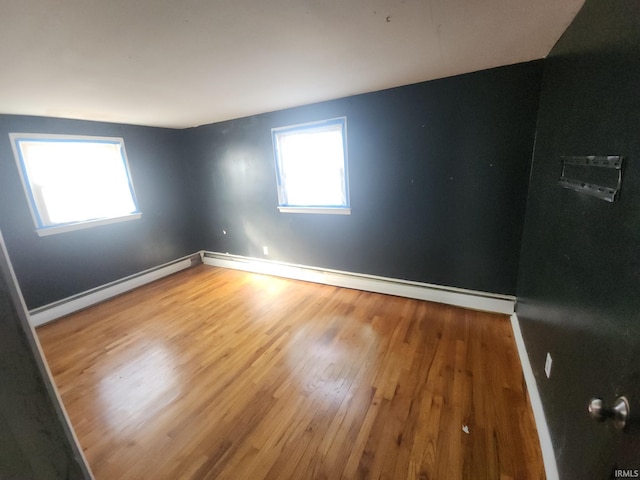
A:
181,63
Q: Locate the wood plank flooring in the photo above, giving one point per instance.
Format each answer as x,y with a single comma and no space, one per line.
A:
214,373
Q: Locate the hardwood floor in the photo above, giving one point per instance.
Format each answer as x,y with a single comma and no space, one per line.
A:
214,373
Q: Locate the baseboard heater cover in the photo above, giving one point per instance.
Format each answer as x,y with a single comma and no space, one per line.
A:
460,297
47,313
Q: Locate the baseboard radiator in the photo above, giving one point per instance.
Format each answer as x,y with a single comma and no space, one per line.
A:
460,297
47,313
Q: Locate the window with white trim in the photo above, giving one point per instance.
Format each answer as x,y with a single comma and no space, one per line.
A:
311,167
74,182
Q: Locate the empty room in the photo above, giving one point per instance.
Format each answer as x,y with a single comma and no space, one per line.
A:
391,239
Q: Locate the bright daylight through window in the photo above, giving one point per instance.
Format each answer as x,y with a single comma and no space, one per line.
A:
74,182
311,167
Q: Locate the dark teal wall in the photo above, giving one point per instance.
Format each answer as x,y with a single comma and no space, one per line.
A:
33,438
58,266
438,175
580,265
438,179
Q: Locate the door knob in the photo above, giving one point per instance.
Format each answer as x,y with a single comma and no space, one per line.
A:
618,413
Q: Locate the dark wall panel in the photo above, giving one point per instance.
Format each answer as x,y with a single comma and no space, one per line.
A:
57,266
438,179
580,266
35,442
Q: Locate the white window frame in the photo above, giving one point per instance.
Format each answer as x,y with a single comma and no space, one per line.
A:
283,205
44,229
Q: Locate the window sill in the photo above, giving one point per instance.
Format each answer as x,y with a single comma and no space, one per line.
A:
317,210
46,231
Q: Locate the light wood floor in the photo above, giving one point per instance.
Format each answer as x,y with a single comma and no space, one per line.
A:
214,373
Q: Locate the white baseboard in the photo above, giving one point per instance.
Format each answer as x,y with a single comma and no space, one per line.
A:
460,297
548,456
47,313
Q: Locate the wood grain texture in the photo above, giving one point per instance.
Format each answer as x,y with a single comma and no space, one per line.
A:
215,373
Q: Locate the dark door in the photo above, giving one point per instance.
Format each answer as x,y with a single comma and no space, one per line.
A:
35,440
622,419
579,276
628,452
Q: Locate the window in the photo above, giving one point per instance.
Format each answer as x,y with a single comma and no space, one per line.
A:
74,182
311,167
